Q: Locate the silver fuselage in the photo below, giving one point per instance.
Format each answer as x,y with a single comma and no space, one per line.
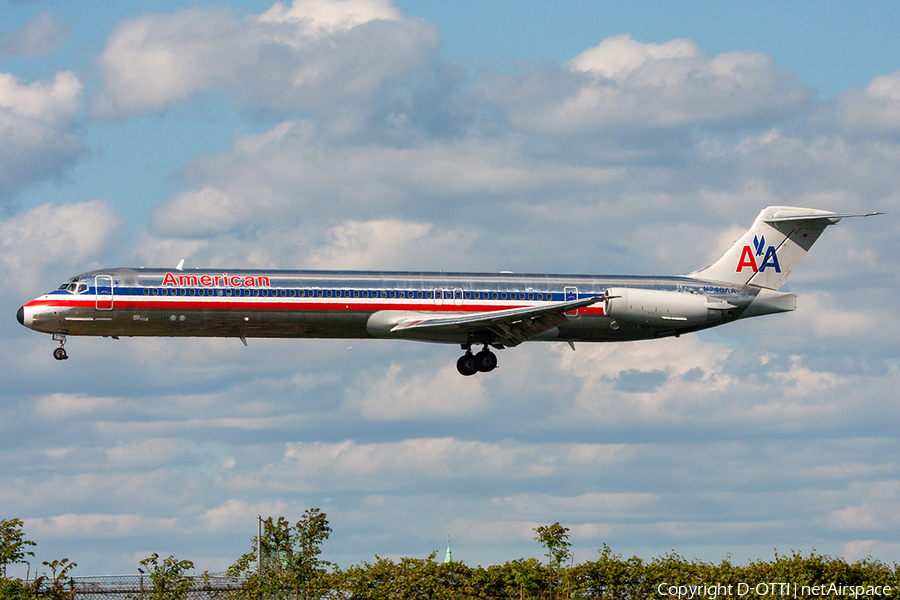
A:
351,304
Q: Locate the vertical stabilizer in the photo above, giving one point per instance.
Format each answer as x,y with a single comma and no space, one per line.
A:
772,248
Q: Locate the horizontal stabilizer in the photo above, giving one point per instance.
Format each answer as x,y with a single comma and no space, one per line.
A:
832,217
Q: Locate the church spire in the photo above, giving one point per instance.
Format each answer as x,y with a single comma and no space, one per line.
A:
449,556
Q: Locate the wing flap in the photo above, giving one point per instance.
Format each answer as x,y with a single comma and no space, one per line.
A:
513,326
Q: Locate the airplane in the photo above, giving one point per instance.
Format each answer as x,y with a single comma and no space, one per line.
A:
499,310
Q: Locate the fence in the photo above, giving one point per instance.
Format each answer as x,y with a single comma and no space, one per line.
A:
132,587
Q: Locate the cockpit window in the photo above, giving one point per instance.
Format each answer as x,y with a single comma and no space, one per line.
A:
63,286
72,287
82,288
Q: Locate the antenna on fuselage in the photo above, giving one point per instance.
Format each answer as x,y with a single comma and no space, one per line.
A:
180,265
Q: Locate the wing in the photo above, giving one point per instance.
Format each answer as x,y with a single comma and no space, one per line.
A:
512,326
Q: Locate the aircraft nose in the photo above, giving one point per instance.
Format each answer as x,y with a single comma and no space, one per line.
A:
20,315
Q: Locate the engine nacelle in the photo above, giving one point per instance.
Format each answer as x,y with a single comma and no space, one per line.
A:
657,308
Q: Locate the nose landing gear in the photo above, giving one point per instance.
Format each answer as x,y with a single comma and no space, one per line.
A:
469,364
60,353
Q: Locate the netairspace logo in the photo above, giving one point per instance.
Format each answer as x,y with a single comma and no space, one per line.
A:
774,590
748,258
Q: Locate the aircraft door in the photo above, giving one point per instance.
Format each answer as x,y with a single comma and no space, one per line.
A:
571,294
438,296
103,288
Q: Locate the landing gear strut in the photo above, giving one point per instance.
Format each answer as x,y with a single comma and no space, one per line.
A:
60,353
469,364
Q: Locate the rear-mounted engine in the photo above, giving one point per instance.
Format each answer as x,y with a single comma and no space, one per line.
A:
657,308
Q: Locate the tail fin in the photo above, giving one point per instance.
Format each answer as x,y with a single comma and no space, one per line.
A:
769,251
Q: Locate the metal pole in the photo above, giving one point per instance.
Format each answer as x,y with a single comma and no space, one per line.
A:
259,543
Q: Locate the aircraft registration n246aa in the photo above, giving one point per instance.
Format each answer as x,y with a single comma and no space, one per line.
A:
470,309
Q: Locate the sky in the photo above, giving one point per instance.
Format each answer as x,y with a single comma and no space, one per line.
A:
573,137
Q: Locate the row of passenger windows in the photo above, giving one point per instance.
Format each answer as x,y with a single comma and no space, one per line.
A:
448,294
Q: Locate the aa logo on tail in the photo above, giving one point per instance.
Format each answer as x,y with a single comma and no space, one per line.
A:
748,257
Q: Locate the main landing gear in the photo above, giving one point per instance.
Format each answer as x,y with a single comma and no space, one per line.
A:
469,364
60,353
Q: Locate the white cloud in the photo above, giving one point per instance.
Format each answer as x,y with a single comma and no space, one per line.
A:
887,552
316,16
233,514
56,239
37,37
317,55
199,214
627,85
618,56
350,465
146,453
96,525
874,111
37,125
44,100
399,396
296,177
65,406
384,245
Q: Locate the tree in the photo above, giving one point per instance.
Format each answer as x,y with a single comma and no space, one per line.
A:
13,550
57,591
555,539
170,581
290,558
13,543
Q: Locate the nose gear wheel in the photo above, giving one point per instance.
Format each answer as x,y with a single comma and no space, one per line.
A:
60,353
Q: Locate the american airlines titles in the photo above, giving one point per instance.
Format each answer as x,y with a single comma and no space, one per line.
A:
216,280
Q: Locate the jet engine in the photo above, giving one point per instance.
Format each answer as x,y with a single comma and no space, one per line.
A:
660,309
